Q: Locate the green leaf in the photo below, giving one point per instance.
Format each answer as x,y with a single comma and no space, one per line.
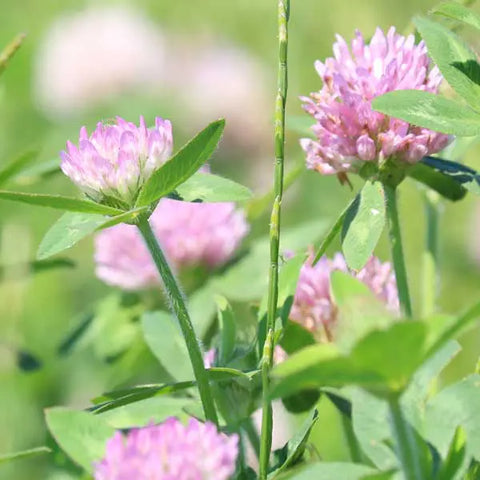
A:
456,462
81,435
414,398
17,165
119,398
68,230
441,183
430,111
359,310
72,227
457,62
382,362
456,405
202,309
318,366
31,452
394,353
363,225
182,165
332,233
166,342
454,329
370,415
59,202
293,451
332,470
302,401
143,412
459,12
371,424
295,337
344,286
465,176
227,326
212,188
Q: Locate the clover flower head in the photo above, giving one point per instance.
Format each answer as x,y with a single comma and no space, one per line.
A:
313,306
113,163
348,132
169,451
190,234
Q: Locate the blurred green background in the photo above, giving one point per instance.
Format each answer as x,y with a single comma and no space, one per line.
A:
37,310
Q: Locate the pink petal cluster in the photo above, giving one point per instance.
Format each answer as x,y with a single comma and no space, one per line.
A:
348,132
313,306
190,234
115,160
170,451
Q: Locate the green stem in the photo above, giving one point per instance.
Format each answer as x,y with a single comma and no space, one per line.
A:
405,442
267,413
178,307
397,251
430,255
282,85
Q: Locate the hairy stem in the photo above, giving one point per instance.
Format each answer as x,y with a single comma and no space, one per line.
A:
282,85
178,307
397,251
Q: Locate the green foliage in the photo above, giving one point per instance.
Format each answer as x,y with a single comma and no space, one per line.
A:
61,203
464,176
457,62
383,362
72,227
456,405
459,12
182,165
166,342
80,434
142,412
212,188
119,398
438,181
226,321
31,452
429,111
363,225
293,450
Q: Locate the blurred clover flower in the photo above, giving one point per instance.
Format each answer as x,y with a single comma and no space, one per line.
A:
225,81
113,163
95,54
313,306
348,132
190,234
170,451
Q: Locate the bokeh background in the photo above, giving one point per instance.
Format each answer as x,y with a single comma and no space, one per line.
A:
189,61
